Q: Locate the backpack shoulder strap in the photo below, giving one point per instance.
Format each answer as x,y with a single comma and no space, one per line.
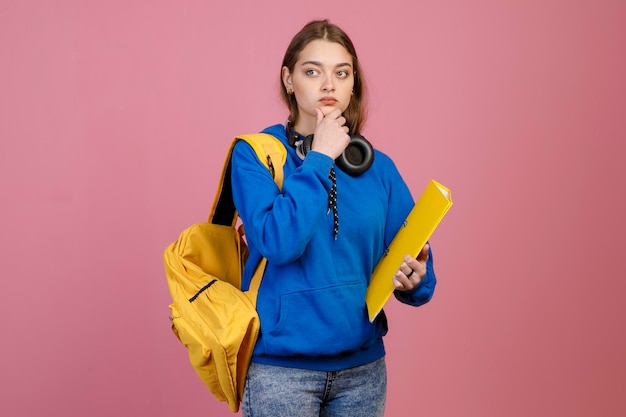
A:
272,153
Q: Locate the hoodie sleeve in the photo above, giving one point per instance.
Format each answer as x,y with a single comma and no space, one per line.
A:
401,203
278,223
424,291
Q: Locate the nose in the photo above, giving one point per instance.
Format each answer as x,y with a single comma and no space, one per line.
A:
327,84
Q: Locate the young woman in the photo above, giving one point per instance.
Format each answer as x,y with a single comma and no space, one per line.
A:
323,234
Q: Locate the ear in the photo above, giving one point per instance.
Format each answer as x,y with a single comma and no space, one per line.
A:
286,75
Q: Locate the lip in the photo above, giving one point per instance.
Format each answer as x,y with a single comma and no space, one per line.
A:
328,101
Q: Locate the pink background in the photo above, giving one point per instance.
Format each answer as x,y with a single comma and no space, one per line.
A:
114,120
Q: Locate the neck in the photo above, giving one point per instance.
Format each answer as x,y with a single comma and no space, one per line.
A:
305,125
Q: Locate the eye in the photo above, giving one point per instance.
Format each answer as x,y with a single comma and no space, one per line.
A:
344,72
311,72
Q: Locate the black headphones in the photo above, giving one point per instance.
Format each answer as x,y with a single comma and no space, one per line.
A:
355,159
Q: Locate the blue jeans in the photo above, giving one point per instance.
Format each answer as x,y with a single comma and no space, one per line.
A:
274,391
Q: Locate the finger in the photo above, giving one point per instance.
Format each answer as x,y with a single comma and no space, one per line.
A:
319,115
397,284
401,281
406,269
423,255
418,267
334,114
410,261
410,274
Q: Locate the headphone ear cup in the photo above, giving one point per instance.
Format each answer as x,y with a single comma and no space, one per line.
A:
358,156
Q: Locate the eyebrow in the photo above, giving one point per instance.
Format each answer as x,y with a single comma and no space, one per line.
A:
319,64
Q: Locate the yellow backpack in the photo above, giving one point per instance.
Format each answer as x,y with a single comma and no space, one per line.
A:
210,315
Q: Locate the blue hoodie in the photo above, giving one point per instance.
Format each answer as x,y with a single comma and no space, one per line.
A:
311,302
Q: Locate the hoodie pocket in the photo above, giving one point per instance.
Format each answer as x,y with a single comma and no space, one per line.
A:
324,321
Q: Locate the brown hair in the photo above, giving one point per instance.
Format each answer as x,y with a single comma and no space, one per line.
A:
355,114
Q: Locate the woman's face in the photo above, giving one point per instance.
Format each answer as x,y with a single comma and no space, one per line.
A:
323,77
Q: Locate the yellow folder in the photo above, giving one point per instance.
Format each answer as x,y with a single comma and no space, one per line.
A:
418,227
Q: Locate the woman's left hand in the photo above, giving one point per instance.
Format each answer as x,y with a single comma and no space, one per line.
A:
411,271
